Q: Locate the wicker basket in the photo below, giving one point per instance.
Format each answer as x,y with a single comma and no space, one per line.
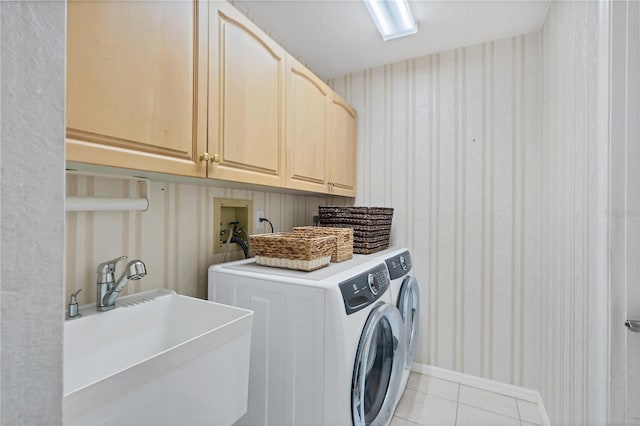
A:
293,251
371,225
343,249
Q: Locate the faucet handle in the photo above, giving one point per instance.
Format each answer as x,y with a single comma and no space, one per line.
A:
72,311
106,270
73,296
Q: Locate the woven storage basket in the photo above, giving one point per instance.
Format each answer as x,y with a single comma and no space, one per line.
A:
293,251
343,249
371,225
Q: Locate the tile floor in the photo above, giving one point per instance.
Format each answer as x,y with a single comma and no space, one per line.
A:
432,401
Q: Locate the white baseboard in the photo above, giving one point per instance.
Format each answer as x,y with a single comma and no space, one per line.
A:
525,394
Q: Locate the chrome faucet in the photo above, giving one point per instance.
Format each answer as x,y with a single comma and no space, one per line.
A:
108,288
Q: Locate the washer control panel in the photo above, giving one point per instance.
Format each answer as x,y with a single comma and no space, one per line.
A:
364,289
399,265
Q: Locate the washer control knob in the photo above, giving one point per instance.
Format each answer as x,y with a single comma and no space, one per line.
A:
403,263
374,285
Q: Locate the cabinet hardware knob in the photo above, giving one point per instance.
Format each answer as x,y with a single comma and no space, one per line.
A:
205,157
215,158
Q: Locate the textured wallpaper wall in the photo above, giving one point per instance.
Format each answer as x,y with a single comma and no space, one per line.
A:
452,142
573,310
174,237
625,212
32,35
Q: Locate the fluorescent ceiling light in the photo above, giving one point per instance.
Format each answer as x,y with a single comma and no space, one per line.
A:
392,17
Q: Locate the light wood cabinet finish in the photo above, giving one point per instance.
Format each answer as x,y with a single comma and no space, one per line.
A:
342,147
136,84
247,79
153,86
307,125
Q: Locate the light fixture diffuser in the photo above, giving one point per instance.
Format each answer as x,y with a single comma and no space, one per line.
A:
392,18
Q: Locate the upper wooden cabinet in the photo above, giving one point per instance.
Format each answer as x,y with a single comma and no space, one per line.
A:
342,147
307,126
247,87
194,88
136,84
321,135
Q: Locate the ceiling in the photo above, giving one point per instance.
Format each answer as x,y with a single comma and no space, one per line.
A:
337,37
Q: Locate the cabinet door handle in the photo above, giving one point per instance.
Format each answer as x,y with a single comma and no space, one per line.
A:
208,157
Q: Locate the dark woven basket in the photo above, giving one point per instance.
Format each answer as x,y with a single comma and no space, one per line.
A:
371,225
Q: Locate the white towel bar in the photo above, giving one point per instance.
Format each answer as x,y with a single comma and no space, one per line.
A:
81,204
76,203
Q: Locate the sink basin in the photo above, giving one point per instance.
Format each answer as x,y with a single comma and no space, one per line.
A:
158,358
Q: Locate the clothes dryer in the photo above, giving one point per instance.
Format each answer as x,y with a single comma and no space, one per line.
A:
405,295
327,346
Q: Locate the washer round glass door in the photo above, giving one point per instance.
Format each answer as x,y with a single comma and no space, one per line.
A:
378,368
409,307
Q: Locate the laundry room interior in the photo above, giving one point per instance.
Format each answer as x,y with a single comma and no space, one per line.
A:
504,141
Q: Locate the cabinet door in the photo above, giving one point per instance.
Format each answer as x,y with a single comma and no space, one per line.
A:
342,135
135,97
307,110
246,100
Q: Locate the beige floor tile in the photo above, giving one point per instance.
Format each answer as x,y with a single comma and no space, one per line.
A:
434,386
397,421
472,416
490,401
424,409
529,412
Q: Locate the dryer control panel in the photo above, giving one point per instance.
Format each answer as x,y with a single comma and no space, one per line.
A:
399,265
364,289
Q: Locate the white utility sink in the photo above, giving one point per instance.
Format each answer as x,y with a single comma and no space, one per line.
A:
158,358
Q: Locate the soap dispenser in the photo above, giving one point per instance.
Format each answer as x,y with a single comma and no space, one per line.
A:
72,312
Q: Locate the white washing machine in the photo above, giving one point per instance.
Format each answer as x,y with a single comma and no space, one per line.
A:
327,346
405,295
